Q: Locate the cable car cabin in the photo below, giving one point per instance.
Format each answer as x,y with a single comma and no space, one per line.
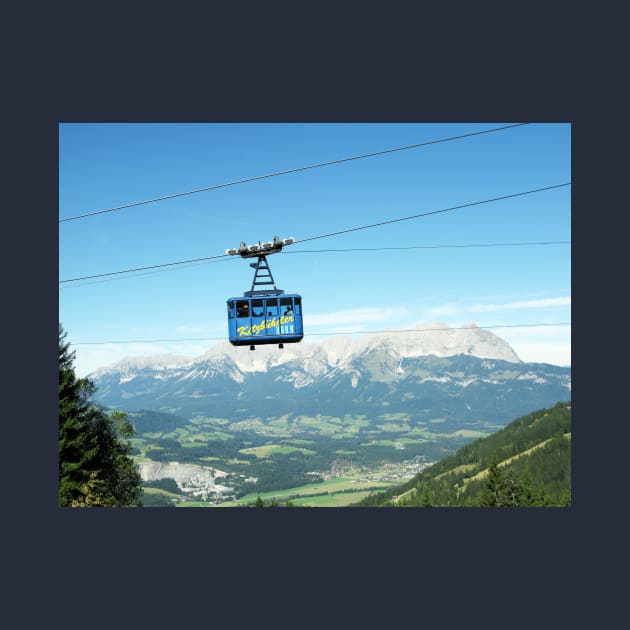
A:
257,320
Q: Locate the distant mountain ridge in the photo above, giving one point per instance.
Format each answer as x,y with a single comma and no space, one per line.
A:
430,372
430,339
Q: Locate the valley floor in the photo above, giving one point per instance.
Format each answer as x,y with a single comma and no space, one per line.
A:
340,487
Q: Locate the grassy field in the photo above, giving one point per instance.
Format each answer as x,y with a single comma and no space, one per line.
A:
467,433
484,473
334,500
329,493
159,491
271,449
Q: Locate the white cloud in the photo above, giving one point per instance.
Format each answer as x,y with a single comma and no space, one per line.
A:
451,309
353,317
540,344
531,333
442,310
523,304
554,353
338,330
192,329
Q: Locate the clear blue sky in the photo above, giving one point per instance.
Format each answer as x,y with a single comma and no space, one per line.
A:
107,165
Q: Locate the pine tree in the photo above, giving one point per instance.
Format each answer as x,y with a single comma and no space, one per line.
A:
528,490
425,501
93,492
541,496
77,442
512,491
492,493
95,466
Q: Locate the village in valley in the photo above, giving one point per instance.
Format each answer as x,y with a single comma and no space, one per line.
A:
388,471
214,487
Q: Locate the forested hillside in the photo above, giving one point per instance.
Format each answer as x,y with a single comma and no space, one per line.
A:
525,464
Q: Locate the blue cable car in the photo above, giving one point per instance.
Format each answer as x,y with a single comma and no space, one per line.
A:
265,319
264,316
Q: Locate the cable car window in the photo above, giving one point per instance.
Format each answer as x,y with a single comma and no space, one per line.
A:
230,307
272,307
286,306
242,308
287,319
258,308
298,306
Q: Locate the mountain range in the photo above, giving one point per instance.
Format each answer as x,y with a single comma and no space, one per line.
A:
432,372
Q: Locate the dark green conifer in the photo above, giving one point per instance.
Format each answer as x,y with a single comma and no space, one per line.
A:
492,494
426,499
512,491
95,467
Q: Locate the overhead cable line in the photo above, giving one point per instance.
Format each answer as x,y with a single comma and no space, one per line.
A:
323,251
380,249
420,330
426,214
332,334
113,273
312,238
288,171
146,273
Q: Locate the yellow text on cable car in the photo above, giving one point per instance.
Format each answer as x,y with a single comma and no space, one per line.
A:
256,329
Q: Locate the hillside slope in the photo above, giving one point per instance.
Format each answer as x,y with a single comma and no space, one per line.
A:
525,464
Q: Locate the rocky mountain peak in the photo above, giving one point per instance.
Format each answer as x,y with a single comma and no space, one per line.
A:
433,338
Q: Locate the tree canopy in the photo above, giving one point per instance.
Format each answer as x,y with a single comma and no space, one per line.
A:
95,466
525,464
